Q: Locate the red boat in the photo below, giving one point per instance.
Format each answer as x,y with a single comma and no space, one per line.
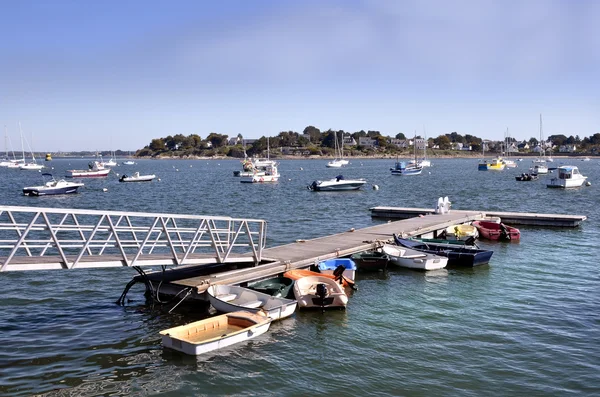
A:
496,231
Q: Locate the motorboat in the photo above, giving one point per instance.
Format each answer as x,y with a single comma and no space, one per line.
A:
403,168
95,170
215,333
231,298
495,164
136,177
413,259
271,174
336,184
539,167
526,177
329,266
568,177
497,231
319,292
335,163
297,274
52,187
128,162
585,159
462,255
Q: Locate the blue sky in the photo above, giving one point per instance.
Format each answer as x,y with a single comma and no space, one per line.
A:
101,75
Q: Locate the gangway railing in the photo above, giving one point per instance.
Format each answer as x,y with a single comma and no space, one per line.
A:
34,238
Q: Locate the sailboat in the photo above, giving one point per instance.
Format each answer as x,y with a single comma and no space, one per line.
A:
539,165
336,162
424,162
509,163
32,166
7,162
411,168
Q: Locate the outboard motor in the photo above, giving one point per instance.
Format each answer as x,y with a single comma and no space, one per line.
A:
322,291
504,234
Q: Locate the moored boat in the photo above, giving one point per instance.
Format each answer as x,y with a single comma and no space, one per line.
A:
297,274
319,292
231,298
526,177
339,183
270,174
136,177
330,265
496,231
275,286
403,168
568,177
413,259
52,187
215,332
461,232
458,255
370,261
495,164
95,170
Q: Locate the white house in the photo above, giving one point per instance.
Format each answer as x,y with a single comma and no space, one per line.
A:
366,141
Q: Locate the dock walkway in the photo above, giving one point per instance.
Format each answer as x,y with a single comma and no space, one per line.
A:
304,253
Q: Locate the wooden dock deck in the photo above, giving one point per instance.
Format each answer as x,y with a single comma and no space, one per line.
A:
304,253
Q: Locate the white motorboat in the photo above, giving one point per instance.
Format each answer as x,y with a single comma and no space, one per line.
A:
270,174
337,184
95,170
319,292
539,167
568,177
136,177
215,332
128,162
52,187
414,259
231,298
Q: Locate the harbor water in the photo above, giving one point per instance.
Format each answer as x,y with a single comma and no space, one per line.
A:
526,324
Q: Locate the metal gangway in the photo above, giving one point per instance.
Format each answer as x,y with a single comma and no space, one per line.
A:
33,238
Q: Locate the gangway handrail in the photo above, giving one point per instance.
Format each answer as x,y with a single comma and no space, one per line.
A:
60,238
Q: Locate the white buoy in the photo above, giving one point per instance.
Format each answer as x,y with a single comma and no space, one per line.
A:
301,169
588,183
159,179
104,189
177,169
375,187
289,179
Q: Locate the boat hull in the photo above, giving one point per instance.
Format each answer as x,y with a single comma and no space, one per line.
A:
413,259
141,178
497,231
215,333
306,290
43,191
228,298
374,261
458,255
87,174
337,185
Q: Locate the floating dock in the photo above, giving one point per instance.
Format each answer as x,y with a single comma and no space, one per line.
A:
510,218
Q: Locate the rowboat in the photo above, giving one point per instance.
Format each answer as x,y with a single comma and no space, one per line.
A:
319,292
413,259
496,231
215,333
461,232
231,298
458,255
370,261
276,286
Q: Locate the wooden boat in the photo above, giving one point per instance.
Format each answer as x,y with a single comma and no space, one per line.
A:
319,292
276,286
215,333
413,259
136,177
297,274
370,261
231,298
458,255
329,266
526,177
496,231
52,187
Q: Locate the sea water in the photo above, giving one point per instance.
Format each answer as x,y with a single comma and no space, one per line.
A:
526,324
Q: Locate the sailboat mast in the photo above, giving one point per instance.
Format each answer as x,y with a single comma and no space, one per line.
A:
6,141
22,144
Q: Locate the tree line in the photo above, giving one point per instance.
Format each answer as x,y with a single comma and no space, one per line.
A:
313,141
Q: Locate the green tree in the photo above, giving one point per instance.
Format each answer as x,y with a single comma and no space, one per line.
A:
158,145
400,135
217,140
314,133
443,141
